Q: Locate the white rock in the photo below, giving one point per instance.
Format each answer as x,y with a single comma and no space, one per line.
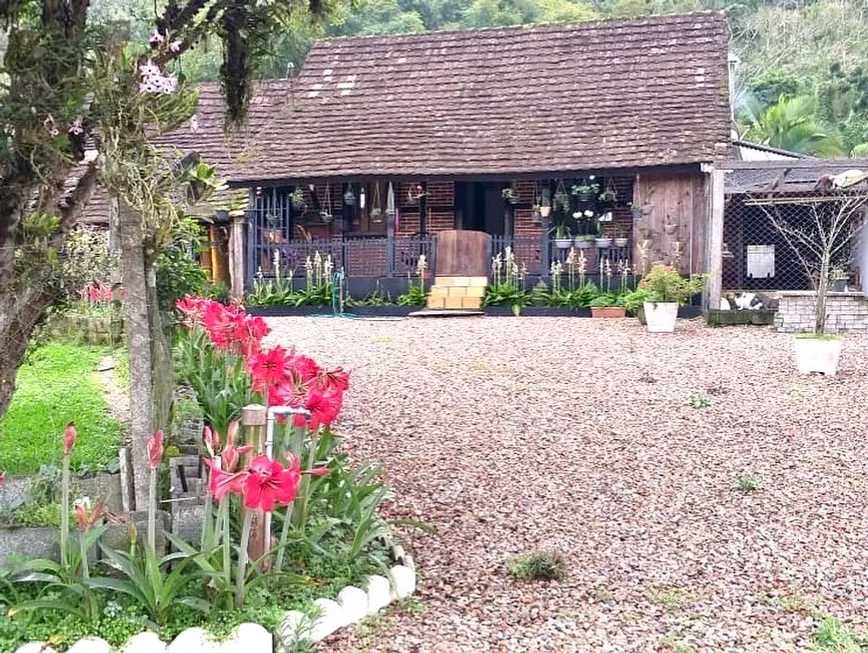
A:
91,645
248,638
296,626
399,553
35,647
379,593
193,640
145,642
403,581
354,604
330,619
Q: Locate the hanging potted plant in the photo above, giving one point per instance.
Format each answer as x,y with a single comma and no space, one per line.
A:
415,192
509,196
665,289
561,201
586,194
376,210
637,211
326,210
610,194
297,199
670,228
536,214
561,235
350,196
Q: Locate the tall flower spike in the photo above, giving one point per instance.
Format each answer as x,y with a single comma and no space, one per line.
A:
69,436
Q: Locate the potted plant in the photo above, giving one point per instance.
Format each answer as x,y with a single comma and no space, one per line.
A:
620,240
376,215
536,214
509,195
561,235
586,193
560,200
670,228
297,199
607,305
637,210
602,241
350,197
585,241
665,290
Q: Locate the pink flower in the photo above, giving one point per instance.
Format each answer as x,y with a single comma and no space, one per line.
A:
211,439
324,406
155,449
221,482
267,483
268,369
86,517
69,435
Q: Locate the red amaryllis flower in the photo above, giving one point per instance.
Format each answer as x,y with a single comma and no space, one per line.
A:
2,475
155,449
231,456
192,308
221,482
324,406
211,440
268,369
69,435
267,483
336,378
302,368
86,517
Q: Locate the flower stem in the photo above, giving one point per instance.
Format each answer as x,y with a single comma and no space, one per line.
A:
227,542
64,513
242,559
284,535
152,512
85,571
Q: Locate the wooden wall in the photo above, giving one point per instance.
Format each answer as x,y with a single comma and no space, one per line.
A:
675,212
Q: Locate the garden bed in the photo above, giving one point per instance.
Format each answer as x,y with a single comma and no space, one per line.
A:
349,311
759,317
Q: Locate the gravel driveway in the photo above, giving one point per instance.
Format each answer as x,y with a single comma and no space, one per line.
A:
509,435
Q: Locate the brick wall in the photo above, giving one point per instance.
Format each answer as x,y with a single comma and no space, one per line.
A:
845,311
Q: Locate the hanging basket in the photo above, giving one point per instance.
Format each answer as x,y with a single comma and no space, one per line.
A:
376,208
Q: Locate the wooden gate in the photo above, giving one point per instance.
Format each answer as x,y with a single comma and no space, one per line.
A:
462,253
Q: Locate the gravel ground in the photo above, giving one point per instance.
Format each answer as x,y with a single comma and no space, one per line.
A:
510,435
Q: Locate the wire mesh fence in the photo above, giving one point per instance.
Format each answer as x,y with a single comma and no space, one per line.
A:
775,243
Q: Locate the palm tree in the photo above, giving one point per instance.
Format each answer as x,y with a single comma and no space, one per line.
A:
789,125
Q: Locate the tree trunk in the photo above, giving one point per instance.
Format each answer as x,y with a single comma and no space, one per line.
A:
139,346
822,291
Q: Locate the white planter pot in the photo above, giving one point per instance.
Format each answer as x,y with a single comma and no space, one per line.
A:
563,243
818,355
584,244
621,242
660,316
603,242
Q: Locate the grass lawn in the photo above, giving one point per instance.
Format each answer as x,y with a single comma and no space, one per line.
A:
56,385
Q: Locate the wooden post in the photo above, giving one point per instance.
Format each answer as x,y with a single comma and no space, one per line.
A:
236,257
714,242
390,244
253,418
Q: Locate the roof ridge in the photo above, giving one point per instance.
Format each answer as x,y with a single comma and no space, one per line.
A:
518,28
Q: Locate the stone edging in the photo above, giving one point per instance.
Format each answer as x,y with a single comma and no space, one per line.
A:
352,604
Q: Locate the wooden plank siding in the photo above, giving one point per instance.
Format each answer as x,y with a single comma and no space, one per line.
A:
676,199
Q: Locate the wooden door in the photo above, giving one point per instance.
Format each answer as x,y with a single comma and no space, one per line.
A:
462,253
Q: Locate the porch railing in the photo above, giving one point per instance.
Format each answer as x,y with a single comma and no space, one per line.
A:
359,257
535,254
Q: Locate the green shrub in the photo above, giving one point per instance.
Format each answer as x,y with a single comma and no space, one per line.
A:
537,565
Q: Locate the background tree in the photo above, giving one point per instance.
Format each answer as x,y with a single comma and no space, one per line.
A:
66,78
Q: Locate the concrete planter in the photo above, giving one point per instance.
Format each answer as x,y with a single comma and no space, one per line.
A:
818,355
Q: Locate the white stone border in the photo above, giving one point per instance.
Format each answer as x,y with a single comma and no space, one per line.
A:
352,604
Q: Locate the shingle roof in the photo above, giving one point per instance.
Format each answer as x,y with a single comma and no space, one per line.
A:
599,95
